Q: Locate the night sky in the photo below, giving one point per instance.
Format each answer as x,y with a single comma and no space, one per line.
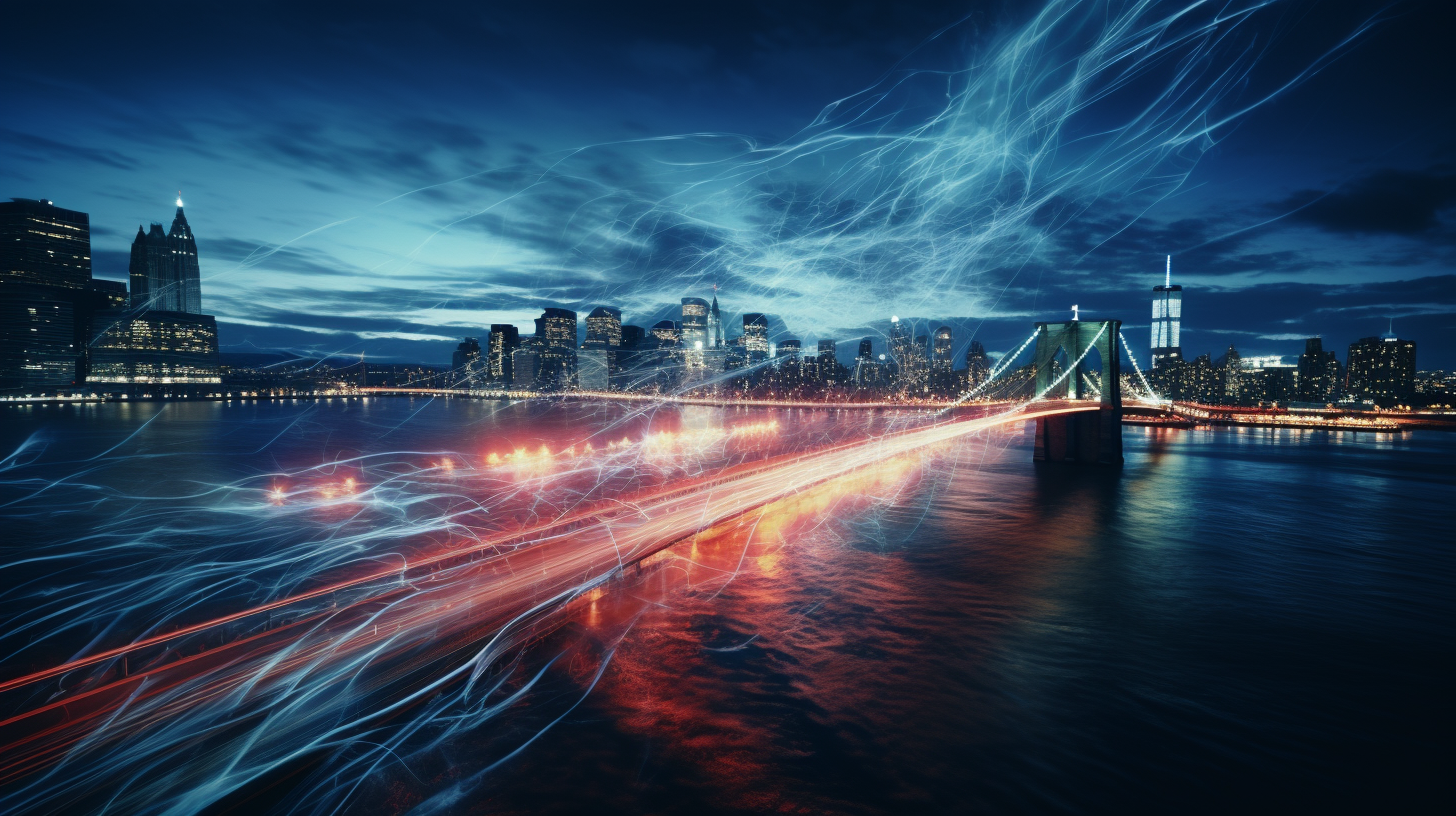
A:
389,177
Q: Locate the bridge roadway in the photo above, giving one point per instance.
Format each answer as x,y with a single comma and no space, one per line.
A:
391,624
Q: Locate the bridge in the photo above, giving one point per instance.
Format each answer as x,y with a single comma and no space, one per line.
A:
412,625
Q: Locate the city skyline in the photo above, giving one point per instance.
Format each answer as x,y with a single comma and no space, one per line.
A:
1345,233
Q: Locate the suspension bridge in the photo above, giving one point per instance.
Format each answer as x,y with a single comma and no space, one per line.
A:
406,621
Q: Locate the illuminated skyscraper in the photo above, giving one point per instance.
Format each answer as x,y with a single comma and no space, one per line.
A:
1167,319
1319,373
667,334
604,328
504,340
43,244
940,353
45,294
556,332
184,257
156,347
908,358
465,363
715,323
827,363
978,364
695,313
1382,369
755,336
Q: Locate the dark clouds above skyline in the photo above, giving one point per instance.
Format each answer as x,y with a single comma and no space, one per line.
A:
387,179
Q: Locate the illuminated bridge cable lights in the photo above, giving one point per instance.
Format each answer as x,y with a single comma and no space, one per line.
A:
995,372
1135,367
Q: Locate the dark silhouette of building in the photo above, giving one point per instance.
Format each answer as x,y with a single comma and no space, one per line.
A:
1230,377
164,269
43,244
978,364
1318,374
715,323
37,338
46,295
504,340
466,364
1382,369
632,337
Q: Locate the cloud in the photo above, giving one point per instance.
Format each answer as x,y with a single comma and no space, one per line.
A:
43,149
1398,202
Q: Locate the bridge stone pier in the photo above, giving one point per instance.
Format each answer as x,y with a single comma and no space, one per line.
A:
1092,437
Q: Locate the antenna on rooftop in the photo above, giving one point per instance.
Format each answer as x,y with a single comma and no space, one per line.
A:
1168,275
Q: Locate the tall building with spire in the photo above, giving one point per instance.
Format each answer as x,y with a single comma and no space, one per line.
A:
715,323
164,340
1167,320
164,271
184,256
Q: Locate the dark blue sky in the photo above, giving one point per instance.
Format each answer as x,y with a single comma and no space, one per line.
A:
388,177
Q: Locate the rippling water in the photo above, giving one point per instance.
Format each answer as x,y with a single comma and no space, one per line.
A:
1247,620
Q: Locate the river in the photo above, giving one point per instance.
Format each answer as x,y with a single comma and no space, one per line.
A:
1234,619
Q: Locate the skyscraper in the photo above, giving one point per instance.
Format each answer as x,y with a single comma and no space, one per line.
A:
505,338
184,257
1167,319
37,339
978,364
827,362
1229,377
43,244
1319,373
908,358
556,331
1382,369
667,334
695,313
45,294
604,328
465,363
755,336
940,353
632,336
164,270
715,323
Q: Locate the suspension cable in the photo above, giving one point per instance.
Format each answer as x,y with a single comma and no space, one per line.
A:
1139,371
995,372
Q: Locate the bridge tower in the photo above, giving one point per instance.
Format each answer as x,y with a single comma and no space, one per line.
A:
1085,438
